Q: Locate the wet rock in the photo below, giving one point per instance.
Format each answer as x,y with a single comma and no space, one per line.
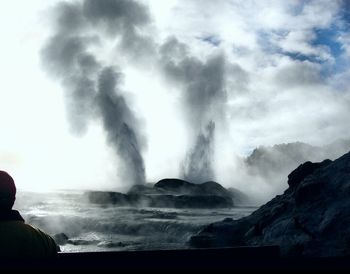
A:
60,238
109,244
170,193
145,190
107,197
304,170
81,242
311,218
175,186
162,201
181,187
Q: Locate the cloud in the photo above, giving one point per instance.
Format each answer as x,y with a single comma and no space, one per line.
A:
93,87
264,72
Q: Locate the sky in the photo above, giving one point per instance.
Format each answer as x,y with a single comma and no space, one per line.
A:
264,72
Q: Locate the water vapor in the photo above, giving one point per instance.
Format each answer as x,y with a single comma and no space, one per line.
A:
92,86
204,98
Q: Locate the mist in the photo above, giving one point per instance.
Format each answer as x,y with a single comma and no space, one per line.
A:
91,85
198,166
202,85
236,93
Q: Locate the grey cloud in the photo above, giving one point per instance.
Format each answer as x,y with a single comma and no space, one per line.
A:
65,57
116,15
60,53
237,78
298,74
123,19
92,89
203,83
69,17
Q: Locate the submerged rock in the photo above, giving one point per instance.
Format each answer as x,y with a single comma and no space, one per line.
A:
311,218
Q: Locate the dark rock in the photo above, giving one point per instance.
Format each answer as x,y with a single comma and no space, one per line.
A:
308,191
311,218
171,193
162,201
81,242
202,201
109,244
176,186
181,187
213,188
107,197
60,238
231,234
303,171
145,190
188,201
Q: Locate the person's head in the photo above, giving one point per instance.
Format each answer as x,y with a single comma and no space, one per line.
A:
7,191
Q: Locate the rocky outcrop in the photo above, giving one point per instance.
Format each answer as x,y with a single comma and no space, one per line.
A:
171,193
181,187
304,170
146,189
61,238
311,218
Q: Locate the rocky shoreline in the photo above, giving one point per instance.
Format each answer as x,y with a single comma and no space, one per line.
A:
311,218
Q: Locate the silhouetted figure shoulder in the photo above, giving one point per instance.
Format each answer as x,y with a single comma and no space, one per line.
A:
18,239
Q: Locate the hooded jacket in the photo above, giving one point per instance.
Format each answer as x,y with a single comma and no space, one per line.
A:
20,240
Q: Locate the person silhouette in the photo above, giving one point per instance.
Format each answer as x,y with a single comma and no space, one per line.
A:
18,239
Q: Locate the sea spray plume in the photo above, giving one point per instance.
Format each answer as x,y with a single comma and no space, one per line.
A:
67,57
198,165
117,120
125,20
202,82
90,85
204,98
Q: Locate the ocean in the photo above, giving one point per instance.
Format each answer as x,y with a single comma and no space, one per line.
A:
91,227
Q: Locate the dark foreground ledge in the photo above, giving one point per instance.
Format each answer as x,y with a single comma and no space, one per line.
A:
239,258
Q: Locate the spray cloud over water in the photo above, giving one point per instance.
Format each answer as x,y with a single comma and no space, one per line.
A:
117,117
198,166
204,98
92,86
